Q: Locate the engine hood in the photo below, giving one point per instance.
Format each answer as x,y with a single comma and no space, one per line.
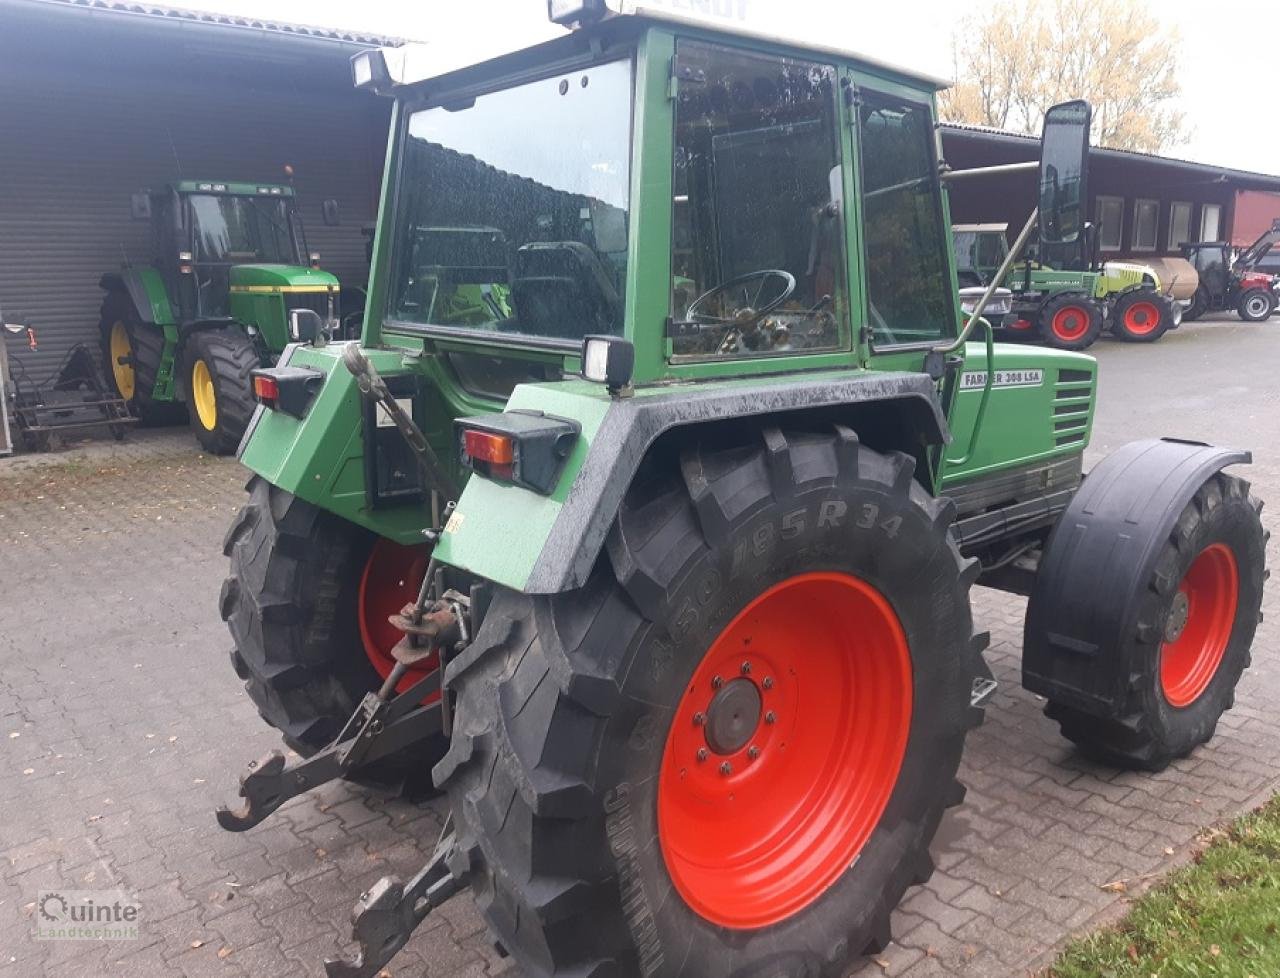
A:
281,278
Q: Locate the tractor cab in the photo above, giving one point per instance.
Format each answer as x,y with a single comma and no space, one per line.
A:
216,244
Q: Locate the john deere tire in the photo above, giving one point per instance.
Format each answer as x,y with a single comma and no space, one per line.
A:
1142,316
1193,626
219,391
1256,305
1069,322
306,595
131,356
726,755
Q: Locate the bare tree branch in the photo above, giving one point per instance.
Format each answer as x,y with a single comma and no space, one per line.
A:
1012,62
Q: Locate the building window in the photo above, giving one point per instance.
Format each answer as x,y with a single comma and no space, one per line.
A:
1146,220
1110,222
1210,218
1179,224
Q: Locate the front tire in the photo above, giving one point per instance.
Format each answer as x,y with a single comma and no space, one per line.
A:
601,839
305,624
219,389
1256,306
1194,624
1142,316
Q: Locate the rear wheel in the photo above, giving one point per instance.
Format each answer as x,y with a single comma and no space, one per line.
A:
132,354
219,397
306,602
1199,306
1069,322
727,754
1256,305
1142,316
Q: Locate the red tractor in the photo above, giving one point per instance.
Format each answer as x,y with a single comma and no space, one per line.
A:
1238,284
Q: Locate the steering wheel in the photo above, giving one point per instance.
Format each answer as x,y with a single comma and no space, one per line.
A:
747,314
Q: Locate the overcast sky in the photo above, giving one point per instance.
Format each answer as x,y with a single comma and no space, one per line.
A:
1228,82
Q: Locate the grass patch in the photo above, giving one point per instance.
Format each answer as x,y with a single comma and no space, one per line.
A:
1218,917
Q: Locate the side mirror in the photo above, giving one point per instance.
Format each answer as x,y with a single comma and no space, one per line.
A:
1064,172
329,211
140,206
305,325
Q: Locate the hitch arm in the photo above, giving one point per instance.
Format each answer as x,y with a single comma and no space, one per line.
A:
388,913
377,729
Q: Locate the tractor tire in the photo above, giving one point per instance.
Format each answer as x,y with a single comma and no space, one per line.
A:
1199,306
1256,306
627,758
219,390
141,347
1193,626
1142,316
306,603
1069,322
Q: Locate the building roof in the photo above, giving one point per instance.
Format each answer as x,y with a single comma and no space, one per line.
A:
1267,181
159,13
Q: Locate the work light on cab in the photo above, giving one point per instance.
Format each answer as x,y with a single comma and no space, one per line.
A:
608,360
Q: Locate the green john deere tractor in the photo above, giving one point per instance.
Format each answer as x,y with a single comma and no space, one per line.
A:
229,267
645,512
1068,305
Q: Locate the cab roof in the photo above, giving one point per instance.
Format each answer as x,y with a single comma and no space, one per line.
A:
233,189
414,65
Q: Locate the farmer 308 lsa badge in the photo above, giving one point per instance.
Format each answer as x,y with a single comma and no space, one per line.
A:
643,517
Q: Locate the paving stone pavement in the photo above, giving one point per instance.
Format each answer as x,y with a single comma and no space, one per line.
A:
122,727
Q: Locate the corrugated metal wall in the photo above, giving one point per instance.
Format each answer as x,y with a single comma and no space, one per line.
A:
85,125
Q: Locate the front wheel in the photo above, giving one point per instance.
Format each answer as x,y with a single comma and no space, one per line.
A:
1256,305
1142,316
727,754
1069,322
219,394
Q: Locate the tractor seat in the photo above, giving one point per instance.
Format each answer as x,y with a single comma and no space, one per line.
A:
562,289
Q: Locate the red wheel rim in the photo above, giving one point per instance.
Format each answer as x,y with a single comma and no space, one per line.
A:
1021,325
1200,625
391,579
763,807
1141,318
1070,323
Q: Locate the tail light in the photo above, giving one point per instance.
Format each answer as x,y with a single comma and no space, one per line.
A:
523,448
287,389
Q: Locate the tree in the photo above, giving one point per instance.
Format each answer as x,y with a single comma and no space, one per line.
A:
1012,61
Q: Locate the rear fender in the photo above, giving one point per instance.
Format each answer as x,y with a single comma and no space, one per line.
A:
548,544
145,291
1100,553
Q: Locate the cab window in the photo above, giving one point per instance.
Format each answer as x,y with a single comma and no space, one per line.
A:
908,283
758,262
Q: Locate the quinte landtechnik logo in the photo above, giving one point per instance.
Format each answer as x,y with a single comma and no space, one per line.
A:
86,915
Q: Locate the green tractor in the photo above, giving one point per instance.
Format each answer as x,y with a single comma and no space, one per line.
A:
644,514
230,267
1068,305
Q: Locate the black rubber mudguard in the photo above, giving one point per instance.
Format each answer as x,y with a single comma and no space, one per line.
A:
1100,553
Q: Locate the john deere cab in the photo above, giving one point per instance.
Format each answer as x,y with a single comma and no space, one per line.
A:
643,516
229,268
1069,303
